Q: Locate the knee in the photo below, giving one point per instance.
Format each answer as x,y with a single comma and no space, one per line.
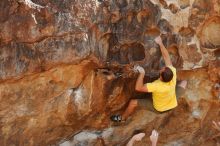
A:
133,103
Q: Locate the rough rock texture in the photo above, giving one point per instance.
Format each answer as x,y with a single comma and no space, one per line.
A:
65,66
188,124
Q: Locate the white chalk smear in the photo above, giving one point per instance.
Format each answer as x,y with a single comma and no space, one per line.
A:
33,16
33,5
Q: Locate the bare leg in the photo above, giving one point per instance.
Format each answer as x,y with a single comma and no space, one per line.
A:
183,84
181,88
130,109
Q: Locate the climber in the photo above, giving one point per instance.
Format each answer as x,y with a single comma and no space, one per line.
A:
163,89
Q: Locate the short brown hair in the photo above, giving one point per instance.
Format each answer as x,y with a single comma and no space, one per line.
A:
167,74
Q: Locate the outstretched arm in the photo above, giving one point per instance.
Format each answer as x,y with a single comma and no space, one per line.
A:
164,51
139,86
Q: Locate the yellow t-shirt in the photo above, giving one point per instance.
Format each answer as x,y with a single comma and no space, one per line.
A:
163,93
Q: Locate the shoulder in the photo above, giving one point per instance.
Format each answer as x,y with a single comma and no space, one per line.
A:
154,83
173,69
152,87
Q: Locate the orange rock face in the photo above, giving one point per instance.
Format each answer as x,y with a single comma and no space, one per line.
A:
65,67
209,35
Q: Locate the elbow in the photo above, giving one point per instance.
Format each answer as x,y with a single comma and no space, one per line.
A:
137,89
141,89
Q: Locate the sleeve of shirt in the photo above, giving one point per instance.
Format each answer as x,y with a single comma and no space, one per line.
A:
151,87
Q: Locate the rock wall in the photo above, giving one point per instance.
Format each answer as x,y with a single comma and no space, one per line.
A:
67,65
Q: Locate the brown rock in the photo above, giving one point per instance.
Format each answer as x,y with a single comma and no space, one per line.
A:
173,49
130,16
184,3
42,100
175,56
193,54
217,53
65,67
173,8
163,3
202,5
192,111
196,18
115,17
189,53
142,15
186,32
164,26
209,33
137,52
214,71
152,32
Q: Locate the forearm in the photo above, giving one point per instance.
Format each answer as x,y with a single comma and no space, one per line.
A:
165,55
164,51
139,83
130,143
154,144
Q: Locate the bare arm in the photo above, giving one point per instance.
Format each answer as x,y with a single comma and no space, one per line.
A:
164,51
154,137
139,86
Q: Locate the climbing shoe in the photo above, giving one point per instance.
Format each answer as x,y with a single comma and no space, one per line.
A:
116,118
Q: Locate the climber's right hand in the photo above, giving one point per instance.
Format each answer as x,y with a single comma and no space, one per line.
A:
139,69
158,40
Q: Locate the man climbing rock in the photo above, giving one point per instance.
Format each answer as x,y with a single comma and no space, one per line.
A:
163,89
